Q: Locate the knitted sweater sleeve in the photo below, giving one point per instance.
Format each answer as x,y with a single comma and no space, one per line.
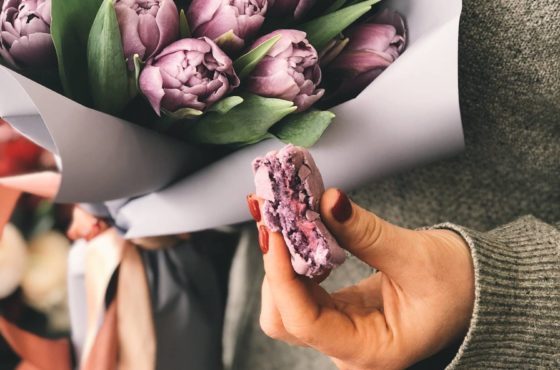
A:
516,317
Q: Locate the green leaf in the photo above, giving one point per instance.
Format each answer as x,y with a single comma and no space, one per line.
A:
133,76
329,54
185,30
225,40
71,23
303,129
226,104
323,29
245,64
248,122
138,65
108,73
182,114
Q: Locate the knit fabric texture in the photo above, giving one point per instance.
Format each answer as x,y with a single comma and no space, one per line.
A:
509,84
517,302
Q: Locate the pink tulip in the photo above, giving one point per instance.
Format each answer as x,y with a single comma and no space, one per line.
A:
289,71
25,36
190,73
215,18
374,45
147,26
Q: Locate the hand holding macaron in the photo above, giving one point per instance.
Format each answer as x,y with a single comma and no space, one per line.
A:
419,301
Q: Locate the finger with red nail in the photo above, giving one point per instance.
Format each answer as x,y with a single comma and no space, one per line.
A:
391,319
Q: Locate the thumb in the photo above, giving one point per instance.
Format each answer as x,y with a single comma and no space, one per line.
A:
386,247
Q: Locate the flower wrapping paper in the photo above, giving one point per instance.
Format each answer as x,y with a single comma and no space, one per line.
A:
407,117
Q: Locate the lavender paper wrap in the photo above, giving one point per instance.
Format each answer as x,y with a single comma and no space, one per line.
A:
101,157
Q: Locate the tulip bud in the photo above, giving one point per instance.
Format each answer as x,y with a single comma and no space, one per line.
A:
25,35
373,46
147,26
295,8
228,22
289,71
190,73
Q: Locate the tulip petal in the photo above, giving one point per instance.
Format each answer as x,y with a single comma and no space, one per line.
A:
45,11
167,21
223,21
8,38
149,33
304,102
128,24
186,44
35,25
360,61
393,18
151,85
374,37
271,79
34,50
176,99
200,12
289,37
4,54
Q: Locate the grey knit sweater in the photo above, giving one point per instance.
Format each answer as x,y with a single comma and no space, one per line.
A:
509,175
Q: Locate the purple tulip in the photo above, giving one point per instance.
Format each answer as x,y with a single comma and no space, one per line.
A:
147,26
25,35
190,73
217,18
296,8
373,46
289,71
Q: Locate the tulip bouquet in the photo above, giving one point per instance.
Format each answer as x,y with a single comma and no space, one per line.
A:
222,72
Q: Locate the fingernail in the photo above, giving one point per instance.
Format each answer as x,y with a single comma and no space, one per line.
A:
254,208
342,209
263,239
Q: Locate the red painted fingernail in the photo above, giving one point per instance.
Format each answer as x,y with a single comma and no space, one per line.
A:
263,239
342,209
254,208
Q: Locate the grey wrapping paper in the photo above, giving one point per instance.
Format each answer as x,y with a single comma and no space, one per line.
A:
101,157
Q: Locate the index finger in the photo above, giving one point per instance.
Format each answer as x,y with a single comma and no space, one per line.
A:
306,309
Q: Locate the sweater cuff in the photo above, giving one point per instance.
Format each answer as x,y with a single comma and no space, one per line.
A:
516,316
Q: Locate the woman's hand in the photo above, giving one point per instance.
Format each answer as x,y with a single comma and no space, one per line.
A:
419,302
